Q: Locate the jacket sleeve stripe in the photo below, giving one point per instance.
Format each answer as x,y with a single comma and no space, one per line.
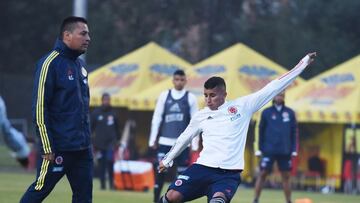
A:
40,103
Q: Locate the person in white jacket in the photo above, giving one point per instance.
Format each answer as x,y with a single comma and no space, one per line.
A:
224,126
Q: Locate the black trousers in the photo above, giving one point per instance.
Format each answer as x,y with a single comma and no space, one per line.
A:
78,168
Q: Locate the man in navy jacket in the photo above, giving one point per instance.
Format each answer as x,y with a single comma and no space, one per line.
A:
277,142
61,116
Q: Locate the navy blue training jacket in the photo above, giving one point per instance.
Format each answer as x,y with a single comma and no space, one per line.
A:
277,131
60,102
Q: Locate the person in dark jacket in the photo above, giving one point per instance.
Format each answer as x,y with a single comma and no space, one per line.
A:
277,143
61,116
104,125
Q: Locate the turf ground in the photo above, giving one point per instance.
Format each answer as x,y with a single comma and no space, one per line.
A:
13,184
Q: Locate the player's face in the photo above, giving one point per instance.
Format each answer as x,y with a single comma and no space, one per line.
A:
79,38
214,97
179,82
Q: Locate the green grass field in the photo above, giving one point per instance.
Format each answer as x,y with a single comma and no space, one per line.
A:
13,184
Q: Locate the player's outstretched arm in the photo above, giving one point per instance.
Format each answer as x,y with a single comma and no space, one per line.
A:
258,99
182,142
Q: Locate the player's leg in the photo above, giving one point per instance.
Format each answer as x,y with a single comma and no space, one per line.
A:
224,184
182,163
110,168
285,165
80,176
266,164
102,163
48,174
190,185
160,177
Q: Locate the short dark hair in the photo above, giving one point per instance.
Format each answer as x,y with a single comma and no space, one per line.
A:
213,82
179,72
105,94
68,24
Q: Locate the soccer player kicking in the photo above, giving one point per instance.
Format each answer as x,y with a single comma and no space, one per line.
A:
224,126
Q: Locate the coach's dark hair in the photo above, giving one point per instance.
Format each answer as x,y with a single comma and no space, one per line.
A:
214,82
68,24
179,72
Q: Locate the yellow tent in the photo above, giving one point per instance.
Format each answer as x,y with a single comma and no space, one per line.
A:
325,106
136,71
243,69
331,97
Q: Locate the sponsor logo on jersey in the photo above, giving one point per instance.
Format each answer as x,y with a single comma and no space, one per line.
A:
175,108
237,116
183,177
174,117
57,169
234,111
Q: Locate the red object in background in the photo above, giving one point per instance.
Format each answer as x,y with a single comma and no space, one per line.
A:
348,173
295,163
32,160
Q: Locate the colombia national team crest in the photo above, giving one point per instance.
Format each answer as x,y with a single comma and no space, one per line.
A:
59,160
232,110
178,182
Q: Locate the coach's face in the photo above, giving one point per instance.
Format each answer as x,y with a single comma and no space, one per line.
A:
215,97
78,39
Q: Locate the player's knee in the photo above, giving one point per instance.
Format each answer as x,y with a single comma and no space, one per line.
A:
285,176
218,199
164,199
171,196
264,174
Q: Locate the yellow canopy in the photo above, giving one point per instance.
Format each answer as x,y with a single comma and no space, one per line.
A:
332,96
243,69
132,73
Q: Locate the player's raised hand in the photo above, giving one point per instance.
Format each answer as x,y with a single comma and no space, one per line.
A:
312,56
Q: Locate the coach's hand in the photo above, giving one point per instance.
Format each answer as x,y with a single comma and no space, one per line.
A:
50,157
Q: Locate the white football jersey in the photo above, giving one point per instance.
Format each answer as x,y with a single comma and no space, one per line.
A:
224,130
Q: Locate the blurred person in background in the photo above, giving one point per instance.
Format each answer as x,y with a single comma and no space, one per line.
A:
14,139
172,114
277,143
105,129
60,108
